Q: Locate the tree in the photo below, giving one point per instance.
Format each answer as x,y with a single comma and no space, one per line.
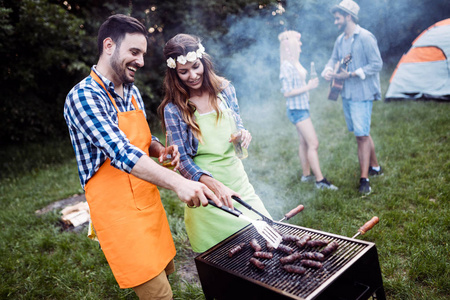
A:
47,46
38,64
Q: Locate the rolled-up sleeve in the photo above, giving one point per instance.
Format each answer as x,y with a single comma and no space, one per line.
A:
374,61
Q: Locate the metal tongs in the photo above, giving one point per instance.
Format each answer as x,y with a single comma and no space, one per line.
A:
249,207
264,229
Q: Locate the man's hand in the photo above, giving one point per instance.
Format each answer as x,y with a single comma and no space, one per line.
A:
328,75
174,154
195,193
342,75
192,193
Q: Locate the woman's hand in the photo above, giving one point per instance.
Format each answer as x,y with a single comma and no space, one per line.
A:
243,136
220,190
313,83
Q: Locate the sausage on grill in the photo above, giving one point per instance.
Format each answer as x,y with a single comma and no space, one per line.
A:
236,249
316,243
329,249
294,269
255,245
302,241
311,263
289,238
314,256
260,254
291,258
257,263
285,249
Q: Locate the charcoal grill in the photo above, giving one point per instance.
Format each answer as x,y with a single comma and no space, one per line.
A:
351,272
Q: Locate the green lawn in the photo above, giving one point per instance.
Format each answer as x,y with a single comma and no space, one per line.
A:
411,199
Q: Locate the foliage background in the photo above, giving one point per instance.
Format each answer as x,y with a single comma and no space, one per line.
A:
47,46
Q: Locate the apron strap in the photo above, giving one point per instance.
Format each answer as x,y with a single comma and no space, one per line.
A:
100,82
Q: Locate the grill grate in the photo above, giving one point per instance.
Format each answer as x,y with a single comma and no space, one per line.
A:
273,276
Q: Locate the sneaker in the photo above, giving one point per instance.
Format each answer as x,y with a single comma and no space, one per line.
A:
309,178
373,172
324,184
364,186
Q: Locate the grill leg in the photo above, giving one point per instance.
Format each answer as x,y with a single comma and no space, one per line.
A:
379,294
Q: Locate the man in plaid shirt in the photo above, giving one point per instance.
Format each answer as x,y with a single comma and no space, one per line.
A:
112,142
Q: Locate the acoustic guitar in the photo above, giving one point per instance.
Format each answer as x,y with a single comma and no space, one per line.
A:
337,84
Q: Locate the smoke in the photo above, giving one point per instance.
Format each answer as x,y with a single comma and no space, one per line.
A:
248,55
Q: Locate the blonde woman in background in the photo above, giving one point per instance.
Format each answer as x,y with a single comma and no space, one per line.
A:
296,91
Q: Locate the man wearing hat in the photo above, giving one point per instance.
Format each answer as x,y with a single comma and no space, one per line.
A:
361,83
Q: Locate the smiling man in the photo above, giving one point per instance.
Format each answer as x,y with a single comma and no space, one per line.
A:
112,141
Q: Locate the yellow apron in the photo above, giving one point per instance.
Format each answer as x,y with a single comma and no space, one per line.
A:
127,213
207,226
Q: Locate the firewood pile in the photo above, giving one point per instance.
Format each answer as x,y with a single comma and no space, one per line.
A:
74,212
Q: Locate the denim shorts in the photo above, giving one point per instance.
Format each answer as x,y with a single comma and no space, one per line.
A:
357,116
297,115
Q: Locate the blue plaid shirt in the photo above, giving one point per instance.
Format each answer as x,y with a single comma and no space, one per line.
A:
291,79
186,141
94,129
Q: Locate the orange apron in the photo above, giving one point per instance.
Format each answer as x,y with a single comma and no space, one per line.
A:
127,213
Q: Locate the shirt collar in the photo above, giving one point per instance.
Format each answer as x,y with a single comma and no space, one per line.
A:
356,32
108,83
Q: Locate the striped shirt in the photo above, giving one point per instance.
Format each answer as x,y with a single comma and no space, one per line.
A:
291,79
184,138
93,126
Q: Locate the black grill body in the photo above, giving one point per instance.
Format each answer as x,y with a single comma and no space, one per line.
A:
352,272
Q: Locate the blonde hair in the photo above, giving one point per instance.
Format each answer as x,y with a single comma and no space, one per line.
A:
288,45
176,92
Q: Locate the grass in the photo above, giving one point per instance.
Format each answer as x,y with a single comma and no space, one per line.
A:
411,199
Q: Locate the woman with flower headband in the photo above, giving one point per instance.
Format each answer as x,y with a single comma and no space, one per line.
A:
296,91
200,108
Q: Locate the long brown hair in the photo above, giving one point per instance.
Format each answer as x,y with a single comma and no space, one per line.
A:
176,92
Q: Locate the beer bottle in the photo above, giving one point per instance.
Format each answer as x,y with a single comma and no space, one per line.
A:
313,73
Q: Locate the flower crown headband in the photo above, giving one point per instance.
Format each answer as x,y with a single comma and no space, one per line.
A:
191,56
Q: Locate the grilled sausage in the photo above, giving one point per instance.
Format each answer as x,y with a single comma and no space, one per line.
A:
291,258
236,249
302,241
257,263
294,269
289,238
260,254
316,243
314,256
311,263
285,249
255,245
329,249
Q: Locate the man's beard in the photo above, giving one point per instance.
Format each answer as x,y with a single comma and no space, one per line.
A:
343,26
120,71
